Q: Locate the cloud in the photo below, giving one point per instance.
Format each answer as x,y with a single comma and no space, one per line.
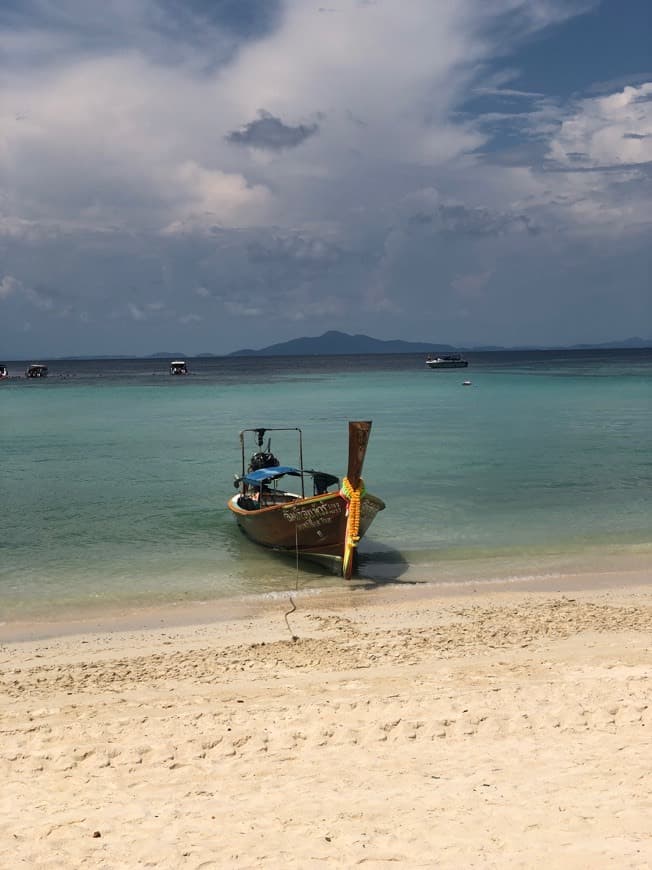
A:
398,159
41,297
271,134
459,219
148,311
471,284
9,285
190,318
608,131
208,195
121,126
298,248
242,309
195,33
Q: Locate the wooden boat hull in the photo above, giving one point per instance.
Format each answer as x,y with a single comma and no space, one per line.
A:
314,527
326,525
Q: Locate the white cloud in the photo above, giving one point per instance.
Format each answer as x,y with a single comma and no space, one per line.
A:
218,196
122,137
613,130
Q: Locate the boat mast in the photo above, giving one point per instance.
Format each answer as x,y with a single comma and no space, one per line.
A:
303,486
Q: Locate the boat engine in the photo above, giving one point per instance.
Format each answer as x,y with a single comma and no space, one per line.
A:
263,458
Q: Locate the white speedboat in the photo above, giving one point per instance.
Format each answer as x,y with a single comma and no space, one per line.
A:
446,361
178,367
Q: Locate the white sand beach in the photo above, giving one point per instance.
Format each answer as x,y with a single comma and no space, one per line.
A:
494,729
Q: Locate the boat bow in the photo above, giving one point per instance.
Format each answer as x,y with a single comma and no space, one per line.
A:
352,490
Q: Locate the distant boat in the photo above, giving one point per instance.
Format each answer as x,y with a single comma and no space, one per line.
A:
324,524
36,370
178,367
446,361
4,374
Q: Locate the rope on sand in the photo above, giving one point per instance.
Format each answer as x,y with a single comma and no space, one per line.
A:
296,586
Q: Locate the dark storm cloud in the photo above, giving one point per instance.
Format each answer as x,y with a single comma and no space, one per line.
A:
460,220
283,260
270,133
294,247
640,168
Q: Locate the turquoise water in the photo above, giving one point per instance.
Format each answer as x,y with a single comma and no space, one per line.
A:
115,477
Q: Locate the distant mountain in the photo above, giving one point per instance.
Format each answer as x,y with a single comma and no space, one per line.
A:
333,343
624,344
98,356
163,354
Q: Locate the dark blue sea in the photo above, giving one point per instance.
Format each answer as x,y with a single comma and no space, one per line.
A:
115,476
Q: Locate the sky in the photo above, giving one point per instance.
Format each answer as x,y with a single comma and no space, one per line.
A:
201,176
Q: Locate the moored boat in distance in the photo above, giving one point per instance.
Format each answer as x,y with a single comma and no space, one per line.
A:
446,361
36,370
321,519
178,367
4,374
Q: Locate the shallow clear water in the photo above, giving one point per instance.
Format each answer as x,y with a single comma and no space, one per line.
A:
114,476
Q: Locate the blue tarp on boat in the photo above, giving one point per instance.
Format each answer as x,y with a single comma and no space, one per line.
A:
262,475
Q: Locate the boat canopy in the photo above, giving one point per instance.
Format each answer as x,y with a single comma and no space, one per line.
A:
262,475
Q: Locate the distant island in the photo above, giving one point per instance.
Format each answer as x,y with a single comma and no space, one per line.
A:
334,343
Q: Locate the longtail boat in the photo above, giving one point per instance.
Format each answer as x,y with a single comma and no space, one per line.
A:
320,517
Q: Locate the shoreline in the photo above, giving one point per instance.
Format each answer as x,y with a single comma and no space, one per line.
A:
203,602
361,592
508,727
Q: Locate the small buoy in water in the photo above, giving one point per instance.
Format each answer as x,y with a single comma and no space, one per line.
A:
466,383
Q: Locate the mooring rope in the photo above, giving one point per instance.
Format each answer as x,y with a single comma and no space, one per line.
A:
296,585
